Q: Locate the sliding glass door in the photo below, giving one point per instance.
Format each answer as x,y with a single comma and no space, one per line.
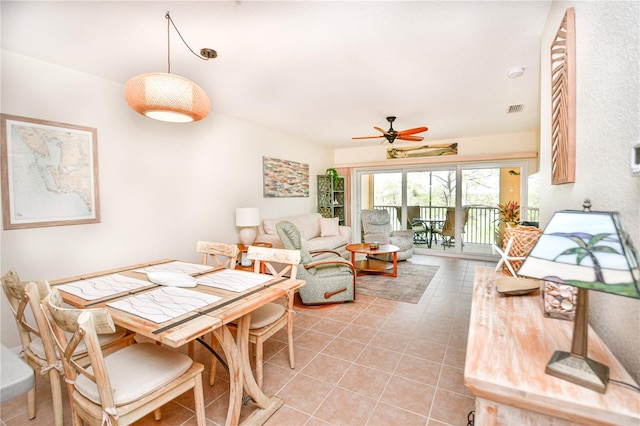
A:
453,210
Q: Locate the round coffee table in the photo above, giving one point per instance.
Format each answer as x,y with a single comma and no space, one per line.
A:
374,266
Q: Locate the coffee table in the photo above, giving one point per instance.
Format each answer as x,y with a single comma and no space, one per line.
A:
374,266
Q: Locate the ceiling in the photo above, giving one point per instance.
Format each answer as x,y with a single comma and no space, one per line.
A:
318,70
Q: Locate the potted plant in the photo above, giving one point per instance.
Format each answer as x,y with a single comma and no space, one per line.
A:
509,216
509,213
333,174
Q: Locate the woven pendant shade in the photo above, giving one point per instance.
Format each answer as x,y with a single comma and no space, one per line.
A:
167,97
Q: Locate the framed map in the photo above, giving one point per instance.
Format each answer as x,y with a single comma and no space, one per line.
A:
49,173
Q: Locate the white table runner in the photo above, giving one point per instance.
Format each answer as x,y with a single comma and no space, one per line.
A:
165,303
234,280
177,266
99,287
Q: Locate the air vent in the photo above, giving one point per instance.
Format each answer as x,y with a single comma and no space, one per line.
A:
515,108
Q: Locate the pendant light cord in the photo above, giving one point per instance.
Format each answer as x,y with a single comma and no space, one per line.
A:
169,20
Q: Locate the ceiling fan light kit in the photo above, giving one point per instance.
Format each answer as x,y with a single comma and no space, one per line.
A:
391,135
166,96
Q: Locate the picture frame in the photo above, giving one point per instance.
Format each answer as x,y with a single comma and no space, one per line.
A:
563,101
284,178
49,173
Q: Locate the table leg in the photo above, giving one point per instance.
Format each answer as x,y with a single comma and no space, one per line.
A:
395,264
241,377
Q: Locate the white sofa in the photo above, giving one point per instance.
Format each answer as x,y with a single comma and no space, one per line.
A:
317,233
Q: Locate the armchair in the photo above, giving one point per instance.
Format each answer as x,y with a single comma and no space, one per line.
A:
376,226
329,280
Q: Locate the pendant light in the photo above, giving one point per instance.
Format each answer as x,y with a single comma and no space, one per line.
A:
166,96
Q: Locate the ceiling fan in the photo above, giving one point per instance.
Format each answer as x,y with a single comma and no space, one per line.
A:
391,135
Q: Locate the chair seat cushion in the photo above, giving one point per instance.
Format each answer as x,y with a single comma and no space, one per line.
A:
137,370
265,315
38,349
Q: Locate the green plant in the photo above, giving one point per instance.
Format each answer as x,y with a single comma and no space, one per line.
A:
333,174
509,212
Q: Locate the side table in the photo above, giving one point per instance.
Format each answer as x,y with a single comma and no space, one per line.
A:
243,253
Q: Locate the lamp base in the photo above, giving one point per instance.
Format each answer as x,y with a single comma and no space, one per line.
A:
248,235
581,371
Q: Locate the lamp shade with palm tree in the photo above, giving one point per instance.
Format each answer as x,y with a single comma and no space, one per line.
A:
591,251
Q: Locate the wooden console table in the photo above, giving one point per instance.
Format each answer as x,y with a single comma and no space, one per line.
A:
509,345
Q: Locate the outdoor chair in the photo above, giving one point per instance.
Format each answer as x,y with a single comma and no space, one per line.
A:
376,227
330,279
126,385
448,229
37,342
414,223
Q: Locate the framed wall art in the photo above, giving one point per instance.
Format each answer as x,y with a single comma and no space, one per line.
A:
49,173
563,102
434,150
283,178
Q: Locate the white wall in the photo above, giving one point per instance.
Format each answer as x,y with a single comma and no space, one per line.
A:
162,186
608,123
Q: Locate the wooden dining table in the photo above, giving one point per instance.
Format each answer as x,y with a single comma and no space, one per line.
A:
226,305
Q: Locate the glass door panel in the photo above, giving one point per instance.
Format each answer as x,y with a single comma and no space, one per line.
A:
432,200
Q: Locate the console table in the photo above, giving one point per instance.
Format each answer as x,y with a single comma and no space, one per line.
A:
509,345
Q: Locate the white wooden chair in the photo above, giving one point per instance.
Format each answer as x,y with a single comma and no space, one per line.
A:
122,387
37,343
270,318
223,256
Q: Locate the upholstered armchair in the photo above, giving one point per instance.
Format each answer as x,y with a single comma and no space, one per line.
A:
330,279
376,226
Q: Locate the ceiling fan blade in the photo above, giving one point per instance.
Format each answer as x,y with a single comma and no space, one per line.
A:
412,131
368,137
384,132
410,138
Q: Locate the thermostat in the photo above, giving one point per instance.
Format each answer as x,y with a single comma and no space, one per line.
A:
635,159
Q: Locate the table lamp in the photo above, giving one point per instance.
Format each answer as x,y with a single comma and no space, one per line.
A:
591,251
247,218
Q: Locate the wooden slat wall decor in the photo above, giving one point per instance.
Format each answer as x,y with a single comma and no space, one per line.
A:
563,102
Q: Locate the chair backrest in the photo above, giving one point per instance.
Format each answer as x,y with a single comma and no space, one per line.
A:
84,325
375,222
291,239
448,228
24,299
223,255
263,256
413,212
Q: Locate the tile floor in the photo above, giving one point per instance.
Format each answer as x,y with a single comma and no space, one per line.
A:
372,362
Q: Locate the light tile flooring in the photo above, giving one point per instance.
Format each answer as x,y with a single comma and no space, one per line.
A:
372,362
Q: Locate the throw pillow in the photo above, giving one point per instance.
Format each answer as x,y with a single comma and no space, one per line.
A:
329,227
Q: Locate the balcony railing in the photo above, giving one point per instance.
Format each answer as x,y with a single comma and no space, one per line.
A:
481,224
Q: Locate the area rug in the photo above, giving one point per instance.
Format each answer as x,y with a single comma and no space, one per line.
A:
408,286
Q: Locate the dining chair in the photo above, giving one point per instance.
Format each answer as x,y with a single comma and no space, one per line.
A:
270,318
126,385
223,256
36,340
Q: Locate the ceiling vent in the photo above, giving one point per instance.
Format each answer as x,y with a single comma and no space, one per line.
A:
515,108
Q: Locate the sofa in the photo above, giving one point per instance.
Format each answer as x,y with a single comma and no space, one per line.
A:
317,233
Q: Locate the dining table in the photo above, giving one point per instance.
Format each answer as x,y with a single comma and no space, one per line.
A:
175,315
